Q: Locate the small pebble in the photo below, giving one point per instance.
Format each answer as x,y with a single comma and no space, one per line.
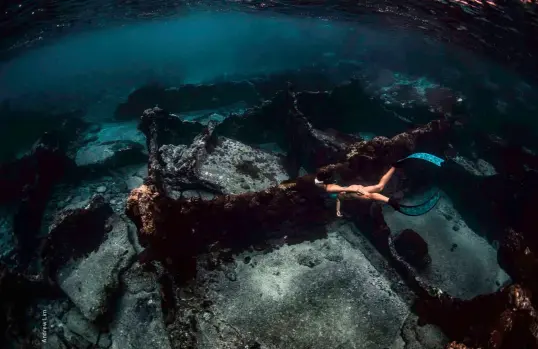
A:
112,202
101,189
231,276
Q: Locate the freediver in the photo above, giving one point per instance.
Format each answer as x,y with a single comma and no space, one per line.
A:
324,180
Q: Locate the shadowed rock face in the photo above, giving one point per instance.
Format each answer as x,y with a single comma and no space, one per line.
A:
74,233
413,248
31,179
90,282
187,98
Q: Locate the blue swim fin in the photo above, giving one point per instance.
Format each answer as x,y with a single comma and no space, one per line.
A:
422,156
422,208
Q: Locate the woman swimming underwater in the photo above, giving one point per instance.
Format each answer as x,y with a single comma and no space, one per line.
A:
372,192
356,191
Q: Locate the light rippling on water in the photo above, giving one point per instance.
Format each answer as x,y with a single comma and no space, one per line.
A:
504,29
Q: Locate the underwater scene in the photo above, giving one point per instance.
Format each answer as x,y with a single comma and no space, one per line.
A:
245,174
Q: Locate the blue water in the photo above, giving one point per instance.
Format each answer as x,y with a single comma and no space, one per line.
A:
109,63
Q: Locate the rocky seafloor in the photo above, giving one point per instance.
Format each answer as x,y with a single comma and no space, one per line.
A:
196,224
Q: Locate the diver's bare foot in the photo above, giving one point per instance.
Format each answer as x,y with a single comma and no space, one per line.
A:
339,214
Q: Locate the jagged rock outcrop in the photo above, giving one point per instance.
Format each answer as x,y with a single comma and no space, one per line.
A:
19,129
75,233
91,282
46,160
230,219
505,319
225,96
348,107
187,98
32,179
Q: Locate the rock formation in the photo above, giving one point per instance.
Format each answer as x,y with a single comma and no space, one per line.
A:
176,230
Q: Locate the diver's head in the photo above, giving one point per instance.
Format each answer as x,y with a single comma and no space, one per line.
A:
324,176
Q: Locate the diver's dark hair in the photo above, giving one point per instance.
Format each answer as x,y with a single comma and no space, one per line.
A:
324,176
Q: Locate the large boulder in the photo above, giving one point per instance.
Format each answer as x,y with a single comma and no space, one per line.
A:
41,167
413,248
75,233
31,179
78,325
139,308
92,281
232,166
19,129
110,154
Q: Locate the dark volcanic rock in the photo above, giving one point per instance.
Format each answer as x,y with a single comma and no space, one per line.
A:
518,257
38,172
75,233
46,159
223,94
20,129
259,124
310,147
92,281
282,121
350,109
169,128
17,292
413,248
187,98
504,319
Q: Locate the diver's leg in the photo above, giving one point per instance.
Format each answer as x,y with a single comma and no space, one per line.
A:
382,182
378,197
392,201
